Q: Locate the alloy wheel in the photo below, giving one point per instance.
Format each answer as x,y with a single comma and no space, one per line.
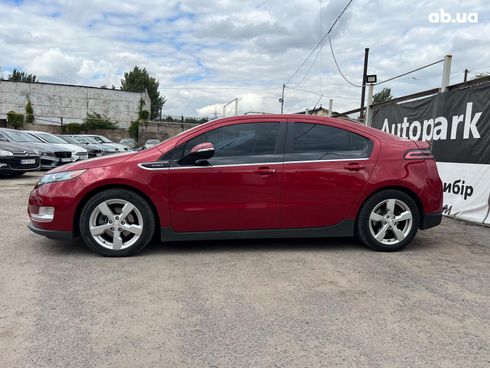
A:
391,221
116,224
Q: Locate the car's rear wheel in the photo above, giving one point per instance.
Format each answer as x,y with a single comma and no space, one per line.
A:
117,222
388,221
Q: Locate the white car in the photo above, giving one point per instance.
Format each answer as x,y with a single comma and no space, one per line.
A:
77,153
103,140
150,143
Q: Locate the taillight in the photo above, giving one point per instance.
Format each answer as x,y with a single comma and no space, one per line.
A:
419,154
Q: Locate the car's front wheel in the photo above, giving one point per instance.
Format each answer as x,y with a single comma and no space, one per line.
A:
388,221
117,222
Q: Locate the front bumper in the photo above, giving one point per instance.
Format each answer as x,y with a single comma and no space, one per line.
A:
51,234
430,220
14,164
50,162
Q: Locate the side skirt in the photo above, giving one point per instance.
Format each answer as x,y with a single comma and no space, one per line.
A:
342,229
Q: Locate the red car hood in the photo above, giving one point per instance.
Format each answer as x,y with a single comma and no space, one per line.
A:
95,162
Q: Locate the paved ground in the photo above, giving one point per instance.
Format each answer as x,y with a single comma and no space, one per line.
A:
277,303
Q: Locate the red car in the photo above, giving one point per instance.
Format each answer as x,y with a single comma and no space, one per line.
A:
263,176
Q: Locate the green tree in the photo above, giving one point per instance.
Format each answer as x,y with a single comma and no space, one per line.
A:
137,80
98,121
481,75
19,76
382,96
29,112
15,120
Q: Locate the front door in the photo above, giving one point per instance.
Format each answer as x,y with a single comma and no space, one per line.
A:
239,189
325,171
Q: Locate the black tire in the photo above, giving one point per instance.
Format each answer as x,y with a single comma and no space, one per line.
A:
363,231
140,203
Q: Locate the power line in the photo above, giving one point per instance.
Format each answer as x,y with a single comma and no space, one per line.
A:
319,43
319,94
311,66
411,71
314,107
338,67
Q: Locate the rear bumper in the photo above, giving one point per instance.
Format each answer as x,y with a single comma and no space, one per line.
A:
52,234
430,220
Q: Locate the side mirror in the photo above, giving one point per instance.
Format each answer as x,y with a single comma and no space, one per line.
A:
199,153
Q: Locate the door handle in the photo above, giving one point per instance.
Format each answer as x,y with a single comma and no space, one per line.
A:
354,166
265,171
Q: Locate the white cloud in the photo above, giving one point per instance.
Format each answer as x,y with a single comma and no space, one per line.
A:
208,45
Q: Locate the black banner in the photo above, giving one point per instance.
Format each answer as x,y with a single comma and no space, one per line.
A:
455,122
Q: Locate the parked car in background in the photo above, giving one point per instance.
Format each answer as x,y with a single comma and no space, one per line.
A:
93,143
51,155
103,140
150,143
292,176
129,142
77,152
92,149
15,160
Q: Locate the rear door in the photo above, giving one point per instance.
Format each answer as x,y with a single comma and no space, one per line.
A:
325,170
239,189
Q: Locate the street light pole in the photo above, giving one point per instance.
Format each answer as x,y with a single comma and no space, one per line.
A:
281,100
364,73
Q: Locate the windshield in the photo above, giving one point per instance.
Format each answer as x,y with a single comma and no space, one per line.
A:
69,140
101,138
21,136
90,140
50,138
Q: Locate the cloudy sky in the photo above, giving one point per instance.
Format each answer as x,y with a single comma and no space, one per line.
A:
206,53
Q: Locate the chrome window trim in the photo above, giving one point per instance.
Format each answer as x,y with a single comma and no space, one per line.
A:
248,164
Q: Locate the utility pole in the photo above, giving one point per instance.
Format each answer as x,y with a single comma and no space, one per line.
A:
446,72
229,103
364,73
466,75
281,100
330,106
369,109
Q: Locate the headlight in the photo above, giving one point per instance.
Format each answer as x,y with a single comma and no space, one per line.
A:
6,153
43,153
61,176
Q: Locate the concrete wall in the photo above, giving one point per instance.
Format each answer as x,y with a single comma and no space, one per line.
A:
51,102
149,130
161,131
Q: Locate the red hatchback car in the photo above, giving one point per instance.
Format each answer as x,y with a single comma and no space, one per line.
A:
262,176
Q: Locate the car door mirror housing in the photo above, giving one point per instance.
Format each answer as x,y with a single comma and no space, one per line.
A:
199,153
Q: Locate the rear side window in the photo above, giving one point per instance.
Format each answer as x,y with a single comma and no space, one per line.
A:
321,142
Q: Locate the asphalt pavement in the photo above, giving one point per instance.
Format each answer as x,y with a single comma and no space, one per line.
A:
268,303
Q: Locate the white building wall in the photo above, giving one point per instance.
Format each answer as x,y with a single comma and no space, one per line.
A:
51,102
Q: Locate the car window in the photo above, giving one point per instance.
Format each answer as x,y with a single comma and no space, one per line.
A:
69,139
239,143
322,142
92,140
51,138
17,136
3,138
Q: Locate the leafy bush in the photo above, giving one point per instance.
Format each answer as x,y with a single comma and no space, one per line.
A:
144,115
15,120
98,121
72,128
29,112
134,129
